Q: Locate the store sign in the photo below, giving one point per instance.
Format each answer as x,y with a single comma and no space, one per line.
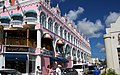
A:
19,49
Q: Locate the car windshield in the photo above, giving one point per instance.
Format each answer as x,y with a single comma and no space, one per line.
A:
77,66
9,72
91,67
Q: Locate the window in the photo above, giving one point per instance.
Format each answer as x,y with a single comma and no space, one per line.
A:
78,54
50,24
65,34
56,28
68,36
61,31
43,19
71,39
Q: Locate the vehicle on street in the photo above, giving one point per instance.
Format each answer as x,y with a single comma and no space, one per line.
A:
81,68
91,69
69,71
9,72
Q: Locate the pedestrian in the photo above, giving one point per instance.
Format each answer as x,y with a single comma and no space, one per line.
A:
38,72
96,71
58,70
48,69
51,70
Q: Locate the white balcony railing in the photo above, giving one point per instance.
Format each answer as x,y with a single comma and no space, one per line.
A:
16,23
5,25
30,21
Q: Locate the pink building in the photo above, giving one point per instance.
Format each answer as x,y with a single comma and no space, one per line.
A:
54,38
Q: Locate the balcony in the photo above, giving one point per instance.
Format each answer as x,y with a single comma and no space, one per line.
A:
17,20
5,21
30,19
29,22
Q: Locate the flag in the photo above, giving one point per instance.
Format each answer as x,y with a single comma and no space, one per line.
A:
12,2
18,7
4,8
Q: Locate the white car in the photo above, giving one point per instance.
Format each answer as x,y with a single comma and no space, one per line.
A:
81,68
9,72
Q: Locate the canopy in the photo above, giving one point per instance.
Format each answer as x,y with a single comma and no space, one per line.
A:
12,56
60,42
47,35
58,59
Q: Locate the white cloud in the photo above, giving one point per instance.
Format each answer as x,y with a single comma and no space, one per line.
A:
101,47
111,18
90,29
73,14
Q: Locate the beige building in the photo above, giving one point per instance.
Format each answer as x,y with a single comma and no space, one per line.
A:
112,46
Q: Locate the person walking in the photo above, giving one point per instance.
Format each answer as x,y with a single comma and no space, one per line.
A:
51,70
96,71
58,70
38,72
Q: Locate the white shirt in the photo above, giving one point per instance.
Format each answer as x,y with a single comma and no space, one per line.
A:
58,71
38,72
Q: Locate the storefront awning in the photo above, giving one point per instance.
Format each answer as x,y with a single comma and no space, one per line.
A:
53,59
47,35
12,56
62,59
58,59
60,42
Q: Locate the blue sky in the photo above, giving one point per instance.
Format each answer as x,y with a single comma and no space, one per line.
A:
91,17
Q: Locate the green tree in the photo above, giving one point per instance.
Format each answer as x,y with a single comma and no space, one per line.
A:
109,72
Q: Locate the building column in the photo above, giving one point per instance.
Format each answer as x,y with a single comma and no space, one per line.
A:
38,52
108,48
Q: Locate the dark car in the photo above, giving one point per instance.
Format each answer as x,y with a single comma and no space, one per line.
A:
91,69
9,72
69,71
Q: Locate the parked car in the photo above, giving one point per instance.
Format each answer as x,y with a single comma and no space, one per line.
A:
69,71
91,69
9,72
81,68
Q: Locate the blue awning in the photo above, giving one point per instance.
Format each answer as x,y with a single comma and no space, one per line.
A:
58,59
62,59
12,56
53,59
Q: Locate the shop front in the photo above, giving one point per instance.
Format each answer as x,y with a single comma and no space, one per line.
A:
20,58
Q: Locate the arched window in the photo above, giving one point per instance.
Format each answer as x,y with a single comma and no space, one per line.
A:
61,31
71,39
68,36
65,34
78,54
73,52
67,50
50,24
56,28
43,19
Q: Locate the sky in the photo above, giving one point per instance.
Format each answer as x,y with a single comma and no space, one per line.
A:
91,17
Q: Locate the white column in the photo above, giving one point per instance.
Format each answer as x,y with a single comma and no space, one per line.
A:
107,39
38,58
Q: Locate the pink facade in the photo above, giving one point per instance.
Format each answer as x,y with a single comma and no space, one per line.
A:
73,45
